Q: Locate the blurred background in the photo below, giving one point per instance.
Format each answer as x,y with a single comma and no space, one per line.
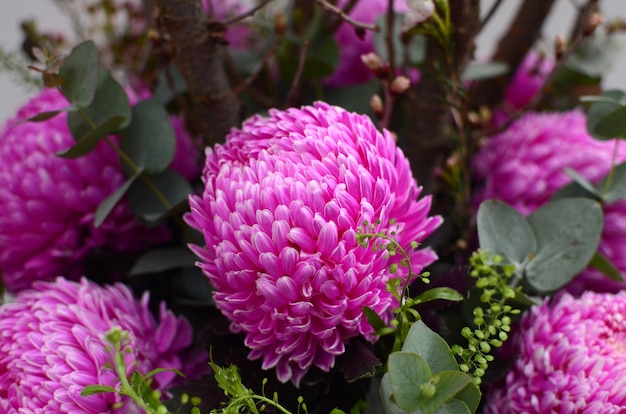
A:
49,18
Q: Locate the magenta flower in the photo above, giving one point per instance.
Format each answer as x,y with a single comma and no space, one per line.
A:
571,359
523,166
285,197
48,203
528,80
238,35
52,344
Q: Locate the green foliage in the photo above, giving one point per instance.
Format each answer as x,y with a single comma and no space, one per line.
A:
481,70
492,320
137,386
611,188
549,247
606,115
80,74
108,204
424,377
160,260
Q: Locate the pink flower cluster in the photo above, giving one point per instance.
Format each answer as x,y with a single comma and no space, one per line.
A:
49,203
571,359
523,166
285,197
52,345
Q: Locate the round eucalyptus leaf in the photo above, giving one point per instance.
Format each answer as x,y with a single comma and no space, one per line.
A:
153,202
504,231
408,372
80,74
568,233
431,347
606,117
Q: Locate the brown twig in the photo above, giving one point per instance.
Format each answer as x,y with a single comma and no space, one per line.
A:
259,66
293,91
341,14
248,13
391,54
198,55
492,11
512,49
346,10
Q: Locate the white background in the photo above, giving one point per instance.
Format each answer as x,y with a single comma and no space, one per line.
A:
12,12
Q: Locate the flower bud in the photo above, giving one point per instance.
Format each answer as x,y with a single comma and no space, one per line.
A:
420,11
594,20
376,103
559,46
374,64
400,84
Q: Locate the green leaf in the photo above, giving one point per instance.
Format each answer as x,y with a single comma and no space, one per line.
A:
504,231
601,263
110,101
481,70
160,260
454,407
613,186
148,206
581,181
354,98
386,398
159,370
603,116
374,319
163,93
431,347
574,190
596,55
96,389
89,141
108,204
149,140
439,293
470,396
44,116
568,233
80,74
447,386
408,372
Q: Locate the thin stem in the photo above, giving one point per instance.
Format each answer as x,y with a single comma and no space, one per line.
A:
249,13
339,12
492,11
389,39
296,79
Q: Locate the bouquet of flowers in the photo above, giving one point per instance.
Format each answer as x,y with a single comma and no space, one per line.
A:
240,206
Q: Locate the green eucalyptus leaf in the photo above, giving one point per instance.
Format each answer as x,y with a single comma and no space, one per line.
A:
431,347
484,70
605,117
150,207
88,142
447,385
454,407
163,92
439,293
504,231
374,319
44,116
110,101
149,140
581,181
601,263
574,190
596,55
568,233
613,186
108,204
470,396
408,372
80,74
159,260
96,389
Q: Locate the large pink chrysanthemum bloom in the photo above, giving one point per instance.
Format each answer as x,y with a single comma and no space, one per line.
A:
52,345
351,70
571,359
285,197
523,166
49,203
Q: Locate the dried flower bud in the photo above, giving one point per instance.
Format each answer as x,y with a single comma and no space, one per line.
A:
374,64
419,12
280,24
400,84
594,20
560,45
376,103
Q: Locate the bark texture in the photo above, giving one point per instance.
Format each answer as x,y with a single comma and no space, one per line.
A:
198,48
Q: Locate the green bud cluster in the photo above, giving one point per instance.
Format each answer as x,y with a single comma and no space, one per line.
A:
492,321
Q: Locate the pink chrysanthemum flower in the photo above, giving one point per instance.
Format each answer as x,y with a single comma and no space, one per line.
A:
528,80
52,345
571,359
284,200
523,166
49,203
351,70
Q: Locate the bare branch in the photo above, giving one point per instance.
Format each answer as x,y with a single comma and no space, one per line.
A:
343,15
248,13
